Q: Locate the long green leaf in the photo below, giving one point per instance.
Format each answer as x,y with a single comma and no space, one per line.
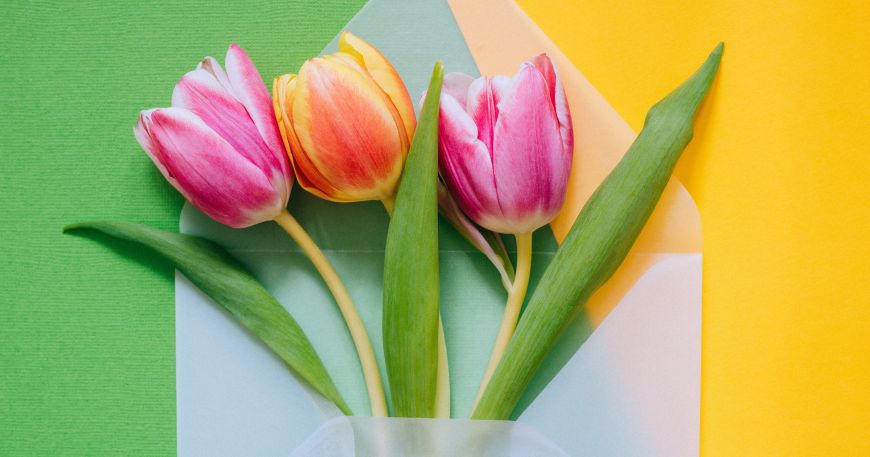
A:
410,314
600,238
222,278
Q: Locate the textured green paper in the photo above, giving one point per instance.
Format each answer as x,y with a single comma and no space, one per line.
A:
87,342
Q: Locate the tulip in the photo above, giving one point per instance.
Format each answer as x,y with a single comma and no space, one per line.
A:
506,146
219,145
347,120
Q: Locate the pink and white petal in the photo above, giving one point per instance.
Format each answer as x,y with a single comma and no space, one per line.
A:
557,95
481,106
545,66
501,87
202,94
249,88
456,85
531,170
149,145
211,65
465,164
209,172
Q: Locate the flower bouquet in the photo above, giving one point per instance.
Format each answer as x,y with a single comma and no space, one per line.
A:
444,262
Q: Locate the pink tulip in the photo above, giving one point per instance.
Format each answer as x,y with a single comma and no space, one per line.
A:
506,146
219,144
505,155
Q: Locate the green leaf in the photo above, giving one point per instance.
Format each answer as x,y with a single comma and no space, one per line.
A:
600,238
410,314
222,278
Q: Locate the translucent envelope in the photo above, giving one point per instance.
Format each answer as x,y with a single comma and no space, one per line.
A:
624,380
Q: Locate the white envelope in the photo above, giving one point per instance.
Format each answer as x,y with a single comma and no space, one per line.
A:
631,389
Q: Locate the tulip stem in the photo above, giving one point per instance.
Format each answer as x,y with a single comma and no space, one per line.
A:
442,386
358,333
516,296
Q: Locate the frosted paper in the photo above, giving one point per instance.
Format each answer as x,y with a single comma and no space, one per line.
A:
392,437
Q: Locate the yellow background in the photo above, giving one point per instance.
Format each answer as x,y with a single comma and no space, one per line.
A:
780,169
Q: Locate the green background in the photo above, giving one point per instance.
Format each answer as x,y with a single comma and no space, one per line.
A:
87,338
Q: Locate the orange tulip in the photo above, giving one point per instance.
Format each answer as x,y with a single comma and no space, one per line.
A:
347,121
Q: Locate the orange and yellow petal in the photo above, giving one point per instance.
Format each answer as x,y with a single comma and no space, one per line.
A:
386,76
351,62
284,92
347,130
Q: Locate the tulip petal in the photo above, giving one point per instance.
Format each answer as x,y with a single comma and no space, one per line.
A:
206,169
466,165
336,110
557,95
349,61
201,93
501,87
249,88
284,89
211,65
531,167
384,74
456,85
143,137
483,110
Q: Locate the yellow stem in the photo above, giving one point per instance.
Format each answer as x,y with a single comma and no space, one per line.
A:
442,389
351,317
512,309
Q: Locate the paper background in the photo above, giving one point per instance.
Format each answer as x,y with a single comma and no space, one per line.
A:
779,174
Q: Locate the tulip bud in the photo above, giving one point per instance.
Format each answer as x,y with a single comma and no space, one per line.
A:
219,145
506,146
347,120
